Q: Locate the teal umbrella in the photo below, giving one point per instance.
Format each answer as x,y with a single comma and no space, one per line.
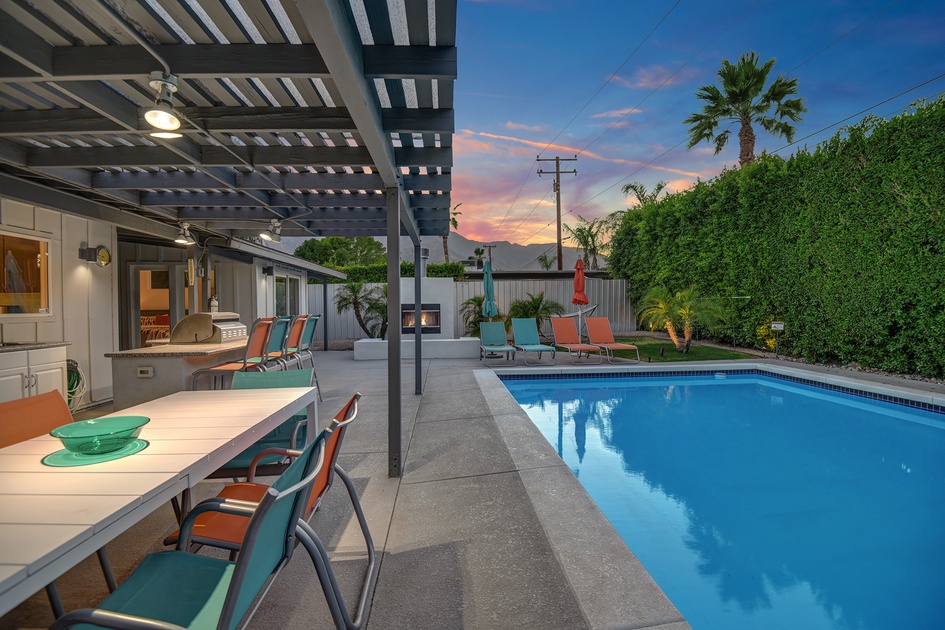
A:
489,307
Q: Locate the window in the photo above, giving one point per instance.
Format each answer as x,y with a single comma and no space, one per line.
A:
24,287
287,295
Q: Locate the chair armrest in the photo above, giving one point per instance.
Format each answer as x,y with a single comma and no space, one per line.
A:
109,619
285,452
214,504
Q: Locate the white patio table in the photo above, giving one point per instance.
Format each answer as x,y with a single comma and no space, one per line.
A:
51,518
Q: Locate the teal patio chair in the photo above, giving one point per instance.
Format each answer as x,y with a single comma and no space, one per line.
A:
525,339
178,589
306,351
492,340
288,435
277,343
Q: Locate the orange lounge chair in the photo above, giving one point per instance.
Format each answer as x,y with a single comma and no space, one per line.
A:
566,336
599,334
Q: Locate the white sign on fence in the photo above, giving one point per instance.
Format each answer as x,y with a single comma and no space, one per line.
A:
777,325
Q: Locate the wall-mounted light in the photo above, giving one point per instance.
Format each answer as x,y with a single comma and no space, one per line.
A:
183,236
99,255
269,271
273,233
161,115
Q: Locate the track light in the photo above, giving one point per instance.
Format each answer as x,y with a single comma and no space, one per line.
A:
273,232
161,115
184,237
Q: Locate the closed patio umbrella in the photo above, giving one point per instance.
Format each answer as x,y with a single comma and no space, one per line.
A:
489,307
579,296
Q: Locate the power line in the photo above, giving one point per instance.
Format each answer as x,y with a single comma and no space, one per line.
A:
609,79
530,212
666,80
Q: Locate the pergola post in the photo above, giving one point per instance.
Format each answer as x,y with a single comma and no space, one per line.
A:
393,334
418,302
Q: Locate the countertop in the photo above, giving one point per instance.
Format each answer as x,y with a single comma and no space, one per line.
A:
19,346
179,350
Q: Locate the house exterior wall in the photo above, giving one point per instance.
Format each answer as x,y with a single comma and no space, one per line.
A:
83,296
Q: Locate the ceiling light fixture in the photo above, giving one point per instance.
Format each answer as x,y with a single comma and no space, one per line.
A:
184,237
161,115
273,233
166,135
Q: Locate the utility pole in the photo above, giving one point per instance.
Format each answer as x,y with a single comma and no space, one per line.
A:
558,172
489,247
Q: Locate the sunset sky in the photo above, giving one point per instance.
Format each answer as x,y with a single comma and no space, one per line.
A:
611,82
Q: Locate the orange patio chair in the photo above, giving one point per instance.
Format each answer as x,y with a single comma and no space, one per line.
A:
599,334
257,347
566,336
31,417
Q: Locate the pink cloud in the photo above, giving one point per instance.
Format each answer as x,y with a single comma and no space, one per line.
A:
618,113
652,77
535,128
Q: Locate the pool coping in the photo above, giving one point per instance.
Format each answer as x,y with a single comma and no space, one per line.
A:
611,586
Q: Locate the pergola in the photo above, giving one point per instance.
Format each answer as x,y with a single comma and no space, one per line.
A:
316,117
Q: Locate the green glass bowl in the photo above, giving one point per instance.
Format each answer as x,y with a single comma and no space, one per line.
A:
101,435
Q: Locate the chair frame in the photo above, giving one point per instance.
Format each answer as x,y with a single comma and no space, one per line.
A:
491,330
257,515
531,343
567,337
605,339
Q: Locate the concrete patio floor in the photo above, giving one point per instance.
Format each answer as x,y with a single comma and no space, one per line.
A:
487,527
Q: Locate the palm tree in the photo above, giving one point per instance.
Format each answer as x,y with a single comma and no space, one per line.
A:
535,306
643,196
743,99
663,309
545,262
588,236
454,224
471,311
376,312
356,296
479,253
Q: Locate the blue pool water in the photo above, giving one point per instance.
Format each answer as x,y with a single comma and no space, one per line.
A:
759,503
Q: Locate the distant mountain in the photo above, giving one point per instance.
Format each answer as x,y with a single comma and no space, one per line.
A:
505,256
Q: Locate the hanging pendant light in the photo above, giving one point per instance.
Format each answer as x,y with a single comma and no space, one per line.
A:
273,233
161,115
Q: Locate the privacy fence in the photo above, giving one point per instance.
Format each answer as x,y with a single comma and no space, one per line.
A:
609,295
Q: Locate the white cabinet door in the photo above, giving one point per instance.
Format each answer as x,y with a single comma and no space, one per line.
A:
48,377
13,384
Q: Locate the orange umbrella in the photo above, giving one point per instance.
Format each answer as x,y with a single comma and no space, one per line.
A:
579,295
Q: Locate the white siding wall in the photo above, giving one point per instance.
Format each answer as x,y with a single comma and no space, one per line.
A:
83,296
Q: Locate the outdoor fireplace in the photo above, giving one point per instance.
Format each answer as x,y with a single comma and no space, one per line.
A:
429,318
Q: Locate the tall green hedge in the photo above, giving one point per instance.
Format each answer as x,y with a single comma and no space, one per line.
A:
845,244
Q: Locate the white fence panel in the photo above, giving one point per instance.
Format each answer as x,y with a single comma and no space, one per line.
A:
609,295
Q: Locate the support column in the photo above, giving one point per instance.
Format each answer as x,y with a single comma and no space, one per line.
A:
418,302
393,334
324,315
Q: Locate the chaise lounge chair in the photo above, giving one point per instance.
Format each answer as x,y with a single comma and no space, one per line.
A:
493,341
599,334
566,336
525,339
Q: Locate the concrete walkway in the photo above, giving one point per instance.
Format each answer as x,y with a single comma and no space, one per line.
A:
487,527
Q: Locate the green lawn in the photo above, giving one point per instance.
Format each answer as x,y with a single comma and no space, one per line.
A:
650,351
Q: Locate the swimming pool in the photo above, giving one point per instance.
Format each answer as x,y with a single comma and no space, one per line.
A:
756,502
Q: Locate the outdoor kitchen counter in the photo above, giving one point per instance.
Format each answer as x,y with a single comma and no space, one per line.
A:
180,349
143,374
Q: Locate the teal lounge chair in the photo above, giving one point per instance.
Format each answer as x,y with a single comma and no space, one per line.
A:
525,338
493,341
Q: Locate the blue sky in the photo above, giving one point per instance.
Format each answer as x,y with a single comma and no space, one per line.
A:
584,77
